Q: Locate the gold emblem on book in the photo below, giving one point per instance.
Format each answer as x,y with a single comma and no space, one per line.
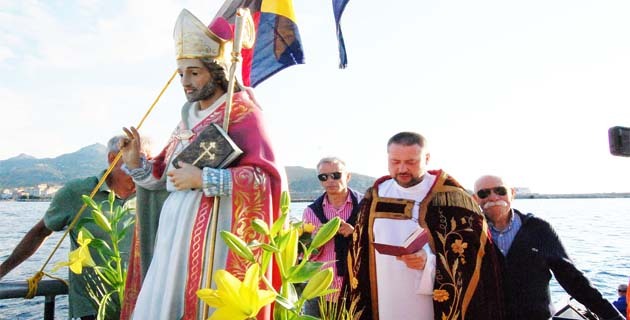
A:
212,147
207,147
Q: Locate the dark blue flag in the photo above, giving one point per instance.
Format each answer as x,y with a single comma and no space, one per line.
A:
338,7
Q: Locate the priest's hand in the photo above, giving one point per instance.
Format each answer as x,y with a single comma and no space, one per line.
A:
186,177
131,148
415,261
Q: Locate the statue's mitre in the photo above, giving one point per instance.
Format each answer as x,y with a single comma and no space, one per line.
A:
193,40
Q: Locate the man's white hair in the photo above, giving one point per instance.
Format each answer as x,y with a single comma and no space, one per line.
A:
332,160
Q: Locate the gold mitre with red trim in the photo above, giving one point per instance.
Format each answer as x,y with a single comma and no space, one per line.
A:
193,40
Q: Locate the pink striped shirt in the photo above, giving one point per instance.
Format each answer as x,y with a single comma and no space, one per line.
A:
327,251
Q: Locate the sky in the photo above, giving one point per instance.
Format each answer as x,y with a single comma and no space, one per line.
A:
522,89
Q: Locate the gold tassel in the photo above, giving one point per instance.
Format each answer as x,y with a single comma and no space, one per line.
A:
455,198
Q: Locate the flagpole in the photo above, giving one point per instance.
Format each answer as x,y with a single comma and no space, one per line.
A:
241,15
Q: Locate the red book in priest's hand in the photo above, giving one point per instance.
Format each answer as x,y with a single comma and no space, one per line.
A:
413,243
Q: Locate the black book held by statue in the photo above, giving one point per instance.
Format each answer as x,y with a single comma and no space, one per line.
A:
212,148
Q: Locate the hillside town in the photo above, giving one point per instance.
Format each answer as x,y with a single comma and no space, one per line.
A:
41,191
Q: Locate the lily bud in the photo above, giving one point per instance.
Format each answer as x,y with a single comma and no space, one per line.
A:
326,232
260,226
318,284
101,220
238,246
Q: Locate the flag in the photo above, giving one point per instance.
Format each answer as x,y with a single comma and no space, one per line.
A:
278,44
338,7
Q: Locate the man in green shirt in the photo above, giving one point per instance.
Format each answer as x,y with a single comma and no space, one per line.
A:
64,206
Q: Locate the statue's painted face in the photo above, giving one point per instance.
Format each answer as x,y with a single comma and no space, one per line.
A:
196,79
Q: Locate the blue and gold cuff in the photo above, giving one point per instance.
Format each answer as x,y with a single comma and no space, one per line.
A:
216,182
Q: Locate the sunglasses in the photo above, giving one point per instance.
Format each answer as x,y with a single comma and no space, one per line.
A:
484,193
324,176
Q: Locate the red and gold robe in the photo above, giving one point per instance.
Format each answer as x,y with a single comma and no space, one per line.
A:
256,194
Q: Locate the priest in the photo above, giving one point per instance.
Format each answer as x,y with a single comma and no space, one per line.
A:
455,276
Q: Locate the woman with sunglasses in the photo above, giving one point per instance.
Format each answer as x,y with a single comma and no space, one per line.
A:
530,250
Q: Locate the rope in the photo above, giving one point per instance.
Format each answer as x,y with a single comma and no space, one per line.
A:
33,281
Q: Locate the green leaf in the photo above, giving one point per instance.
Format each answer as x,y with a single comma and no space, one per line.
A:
238,246
86,233
278,225
123,233
285,202
260,226
290,253
284,302
326,232
282,240
105,275
328,291
265,260
269,248
83,221
117,214
102,247
128,223
291,295
304,272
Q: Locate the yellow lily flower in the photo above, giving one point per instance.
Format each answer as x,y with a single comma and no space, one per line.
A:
308,227
236,300
80,257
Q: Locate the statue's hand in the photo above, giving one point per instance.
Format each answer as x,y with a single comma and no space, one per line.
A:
131,148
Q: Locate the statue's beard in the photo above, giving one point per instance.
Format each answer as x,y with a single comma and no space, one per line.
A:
205,92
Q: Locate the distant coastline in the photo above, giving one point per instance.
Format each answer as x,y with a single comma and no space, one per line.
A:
26,178
518,196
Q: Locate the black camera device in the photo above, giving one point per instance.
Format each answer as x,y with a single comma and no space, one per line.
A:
619,140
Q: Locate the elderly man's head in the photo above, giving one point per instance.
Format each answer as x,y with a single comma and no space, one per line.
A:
494,196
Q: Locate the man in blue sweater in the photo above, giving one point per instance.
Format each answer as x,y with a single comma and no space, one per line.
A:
531,250
621,303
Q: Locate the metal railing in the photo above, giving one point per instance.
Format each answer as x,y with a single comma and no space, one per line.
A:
46,288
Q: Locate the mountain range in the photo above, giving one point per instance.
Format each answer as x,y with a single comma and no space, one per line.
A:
26,171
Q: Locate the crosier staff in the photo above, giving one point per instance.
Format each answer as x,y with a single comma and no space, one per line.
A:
34,280
243,20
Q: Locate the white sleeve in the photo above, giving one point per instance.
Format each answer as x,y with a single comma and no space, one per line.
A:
142,175
426,277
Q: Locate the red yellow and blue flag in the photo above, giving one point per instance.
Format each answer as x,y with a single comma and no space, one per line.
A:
278,44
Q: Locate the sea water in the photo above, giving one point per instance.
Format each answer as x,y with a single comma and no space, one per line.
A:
594,232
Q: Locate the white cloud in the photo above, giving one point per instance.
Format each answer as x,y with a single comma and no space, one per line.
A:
86,33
